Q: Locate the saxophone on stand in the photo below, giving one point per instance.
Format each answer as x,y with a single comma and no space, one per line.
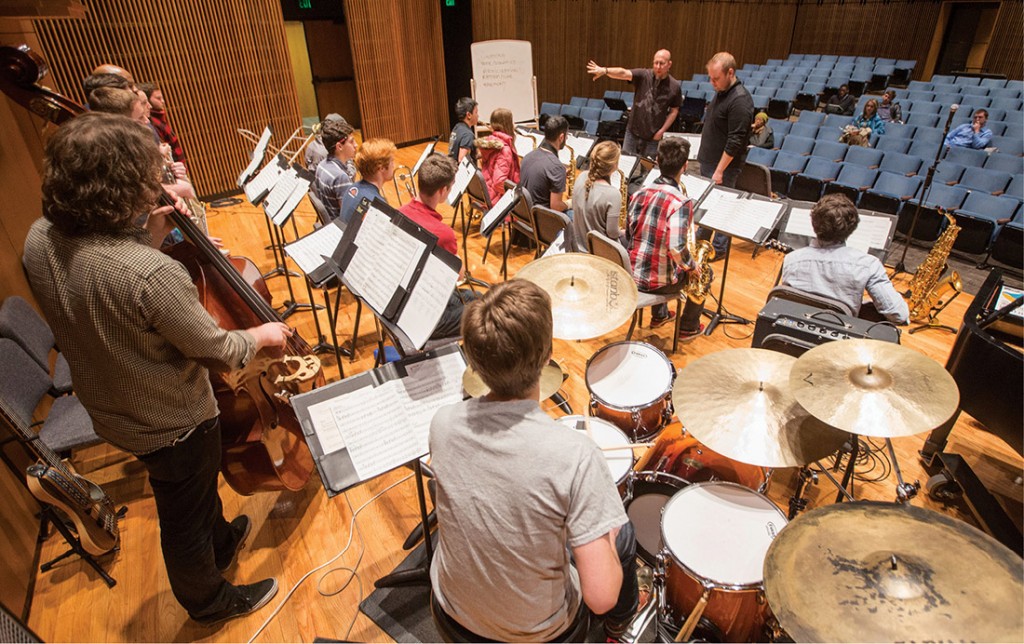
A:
929,293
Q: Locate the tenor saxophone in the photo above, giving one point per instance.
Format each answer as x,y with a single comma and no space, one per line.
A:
926,289
702,252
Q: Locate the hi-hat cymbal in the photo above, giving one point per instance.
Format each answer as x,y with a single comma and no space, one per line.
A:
874,388
881,572
590,295
738,403
551,377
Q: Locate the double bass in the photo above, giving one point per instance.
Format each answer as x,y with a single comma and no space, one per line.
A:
263,448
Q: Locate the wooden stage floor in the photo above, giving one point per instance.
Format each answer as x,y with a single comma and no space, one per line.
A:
294,533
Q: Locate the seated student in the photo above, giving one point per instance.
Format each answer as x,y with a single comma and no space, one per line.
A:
542,174
502,568
869,118
656,236
160,120
761,135
333,176
375,160
841,103
971,135
889,110
434,179
598,203
499,160
316,151
461,141
830,268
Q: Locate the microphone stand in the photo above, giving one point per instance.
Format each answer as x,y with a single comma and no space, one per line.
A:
901,266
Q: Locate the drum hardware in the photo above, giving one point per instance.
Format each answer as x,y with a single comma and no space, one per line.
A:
590,295
892,572
904,491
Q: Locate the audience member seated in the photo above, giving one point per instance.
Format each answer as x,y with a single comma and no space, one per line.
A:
434,179
597,203
971,135
657,231
841,103
335,172
889,110
761,135
830,268
543,175
869,118
499,161
518,554
375,161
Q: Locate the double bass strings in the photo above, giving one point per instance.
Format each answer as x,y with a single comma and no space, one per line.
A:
352,570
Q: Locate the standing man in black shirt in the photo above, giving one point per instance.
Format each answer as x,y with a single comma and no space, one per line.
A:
656,100
461,142
723,145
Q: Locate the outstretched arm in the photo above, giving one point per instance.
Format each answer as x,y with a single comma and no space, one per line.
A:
618,73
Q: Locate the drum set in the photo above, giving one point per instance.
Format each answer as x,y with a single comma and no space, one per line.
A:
724,567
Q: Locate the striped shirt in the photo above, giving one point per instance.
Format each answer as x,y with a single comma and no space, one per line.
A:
656,225
332,178
129,320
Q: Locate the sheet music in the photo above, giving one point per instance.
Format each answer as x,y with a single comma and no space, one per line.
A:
504,203
321,415
279,194
800,222
257,157
289,206
742,218
309,251
694,140
462,177
524,145
557,247
695,186
651,177
263,182
627,162
384,260
428,300
423,157
582,145
430,385
872,232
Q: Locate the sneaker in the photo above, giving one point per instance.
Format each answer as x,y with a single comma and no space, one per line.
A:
251,597
241,526
690,336
657,322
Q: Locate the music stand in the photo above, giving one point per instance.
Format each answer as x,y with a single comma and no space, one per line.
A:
734,213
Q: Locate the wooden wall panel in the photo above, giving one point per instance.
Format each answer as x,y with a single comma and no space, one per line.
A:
330,59
898,30
399,68
494,20
1005,50
222,66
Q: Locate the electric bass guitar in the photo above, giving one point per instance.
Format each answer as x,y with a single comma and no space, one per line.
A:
53,482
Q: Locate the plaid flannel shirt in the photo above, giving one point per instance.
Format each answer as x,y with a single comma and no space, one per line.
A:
656,225
162,125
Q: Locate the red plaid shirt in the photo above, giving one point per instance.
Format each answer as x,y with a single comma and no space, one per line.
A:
162,125
656,226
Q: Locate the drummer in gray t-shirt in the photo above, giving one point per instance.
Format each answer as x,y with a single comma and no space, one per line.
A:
517,492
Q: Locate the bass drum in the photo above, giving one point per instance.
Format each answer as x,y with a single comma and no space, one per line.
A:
674,461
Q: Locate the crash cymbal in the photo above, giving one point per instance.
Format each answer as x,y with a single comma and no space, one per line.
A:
590,295
881,572
874,388
738,403
551,377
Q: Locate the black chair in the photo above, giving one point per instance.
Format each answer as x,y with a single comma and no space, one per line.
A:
549,224
452,631
20,322
323,217
756,179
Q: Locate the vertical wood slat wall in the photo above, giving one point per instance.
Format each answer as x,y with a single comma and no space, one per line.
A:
399,68
566,33
221,65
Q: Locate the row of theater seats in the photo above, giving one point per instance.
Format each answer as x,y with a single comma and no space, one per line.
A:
591,111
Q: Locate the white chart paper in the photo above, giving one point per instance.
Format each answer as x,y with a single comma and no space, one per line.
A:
309,251
257,157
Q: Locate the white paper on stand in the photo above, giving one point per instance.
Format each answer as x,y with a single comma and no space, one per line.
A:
462,176
309,251
427,301
384,260
264,181
423,157
487,222
257,157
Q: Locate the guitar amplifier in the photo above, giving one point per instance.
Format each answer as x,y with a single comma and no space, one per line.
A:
793,328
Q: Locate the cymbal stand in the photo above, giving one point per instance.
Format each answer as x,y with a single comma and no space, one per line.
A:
806,475
904,491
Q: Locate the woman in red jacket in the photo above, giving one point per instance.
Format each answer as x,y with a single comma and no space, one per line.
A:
498,160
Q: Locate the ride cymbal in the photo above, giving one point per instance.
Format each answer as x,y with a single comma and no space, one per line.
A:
882,572
590,295
551,377
874,388
738,403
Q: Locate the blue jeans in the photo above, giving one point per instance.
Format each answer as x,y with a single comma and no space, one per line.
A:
729,178
633,144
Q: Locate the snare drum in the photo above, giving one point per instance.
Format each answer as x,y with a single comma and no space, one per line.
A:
716,536
673,462
630,384
620,461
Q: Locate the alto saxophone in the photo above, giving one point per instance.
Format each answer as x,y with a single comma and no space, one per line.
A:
570,173
623,188
926,290
702,252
